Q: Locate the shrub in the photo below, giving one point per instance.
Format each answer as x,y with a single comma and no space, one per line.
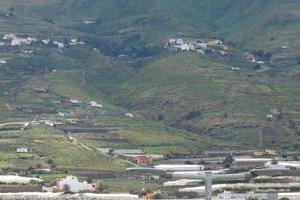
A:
257,66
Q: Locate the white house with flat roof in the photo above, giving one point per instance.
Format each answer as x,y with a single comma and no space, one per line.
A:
74,185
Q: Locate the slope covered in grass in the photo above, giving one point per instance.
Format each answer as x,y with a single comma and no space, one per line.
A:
183,90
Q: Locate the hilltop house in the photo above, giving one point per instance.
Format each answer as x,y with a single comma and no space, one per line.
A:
18,41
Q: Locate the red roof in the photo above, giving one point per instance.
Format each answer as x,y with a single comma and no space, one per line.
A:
141,159
250,56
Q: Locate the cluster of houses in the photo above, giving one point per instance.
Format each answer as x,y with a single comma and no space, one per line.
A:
70,183
252,170
201,46
94,105
67,101
17,41
61,45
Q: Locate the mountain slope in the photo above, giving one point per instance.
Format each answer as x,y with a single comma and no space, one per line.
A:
189,91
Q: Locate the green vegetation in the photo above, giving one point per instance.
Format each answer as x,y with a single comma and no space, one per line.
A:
181,101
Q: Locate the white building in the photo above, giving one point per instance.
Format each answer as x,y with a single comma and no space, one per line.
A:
172,41
235,68
261,62
75,101
22,150
129,115
89,21
74,185
179,41
59,44
18,41
202,45
76,42
187,47
95,104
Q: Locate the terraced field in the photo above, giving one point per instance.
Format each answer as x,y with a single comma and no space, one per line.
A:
181,101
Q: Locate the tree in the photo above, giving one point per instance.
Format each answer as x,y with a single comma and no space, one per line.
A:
295,157
228,161
187,162
192,195
274,161
67,189
98,21
89,180
267,56
66,43
30,169
50,162
202,162
12,9
257,66
291,124
38,166
157,196
260,53
100,187
160,117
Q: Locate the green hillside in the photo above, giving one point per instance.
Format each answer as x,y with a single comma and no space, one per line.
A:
192,96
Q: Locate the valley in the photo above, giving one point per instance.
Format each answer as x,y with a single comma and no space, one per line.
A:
170,78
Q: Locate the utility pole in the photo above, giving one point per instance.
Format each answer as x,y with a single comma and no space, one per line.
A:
208,185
